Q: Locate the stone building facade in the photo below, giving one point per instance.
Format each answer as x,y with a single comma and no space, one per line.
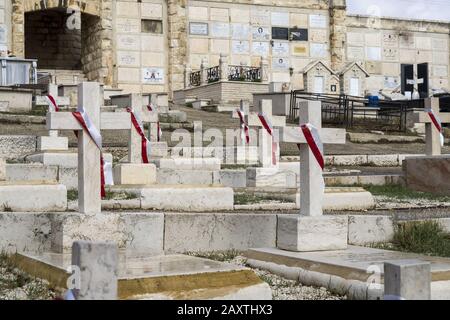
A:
145,45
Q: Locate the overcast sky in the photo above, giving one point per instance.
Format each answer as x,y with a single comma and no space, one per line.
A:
410,9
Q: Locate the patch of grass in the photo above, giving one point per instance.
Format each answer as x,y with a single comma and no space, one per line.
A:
244,198
72,195
425,237
7,208
400,192
222,256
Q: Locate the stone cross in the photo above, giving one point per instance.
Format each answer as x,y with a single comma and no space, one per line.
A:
89,184
135,101
97,269
311,179
432,136
265,140
52,141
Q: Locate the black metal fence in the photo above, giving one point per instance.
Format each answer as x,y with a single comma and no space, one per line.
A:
244,73
195,78
213,74
349,111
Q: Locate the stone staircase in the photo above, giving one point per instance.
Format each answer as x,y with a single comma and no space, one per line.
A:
65,77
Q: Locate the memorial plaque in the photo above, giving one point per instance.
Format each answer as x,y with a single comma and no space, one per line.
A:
317,21
200,29
300,50
390,54
391,82
318,50
280,63
298,34
390,40
240,47
318,36
260,17
260,48
374,67
128,58
280,49
127,25
280,33
220,30
373,53
240,31
153,75
261,33
280,19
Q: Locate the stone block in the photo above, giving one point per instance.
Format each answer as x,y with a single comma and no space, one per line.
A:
302,233
187,198
21,232
134,174
68,177
2,169
137,232
45,143
15,100
347,200
30,172
12,147
231,178
210,232
428,174
407,280
32,197
192,177
158,149
270,177
98,263
350,160
363,230
188,163
385,160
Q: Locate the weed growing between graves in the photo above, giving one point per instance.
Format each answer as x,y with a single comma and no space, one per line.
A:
426,237
17,285
245,199
400,192
72,195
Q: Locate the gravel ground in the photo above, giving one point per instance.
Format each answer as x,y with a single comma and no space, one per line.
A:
284,289
17,285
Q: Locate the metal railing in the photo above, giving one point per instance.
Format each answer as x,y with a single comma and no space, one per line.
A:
213,74
195,78
244,73
350,112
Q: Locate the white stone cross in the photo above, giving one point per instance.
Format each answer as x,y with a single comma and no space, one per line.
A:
311,179
53,141
89,183
432,135
265,139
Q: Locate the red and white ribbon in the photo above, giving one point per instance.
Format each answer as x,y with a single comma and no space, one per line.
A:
245,135
312,137
269,128
315,144
151,108
140,130
437,124
106,167
52,105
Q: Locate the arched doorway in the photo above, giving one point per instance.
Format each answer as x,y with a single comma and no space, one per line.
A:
64,36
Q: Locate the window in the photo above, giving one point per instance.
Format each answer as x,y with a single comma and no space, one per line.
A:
152,26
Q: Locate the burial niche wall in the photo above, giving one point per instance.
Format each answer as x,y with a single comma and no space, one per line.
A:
53,37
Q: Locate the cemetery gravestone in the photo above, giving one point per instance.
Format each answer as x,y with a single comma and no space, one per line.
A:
310,230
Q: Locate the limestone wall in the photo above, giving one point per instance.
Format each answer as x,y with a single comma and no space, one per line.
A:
5,25
383,45
141,41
